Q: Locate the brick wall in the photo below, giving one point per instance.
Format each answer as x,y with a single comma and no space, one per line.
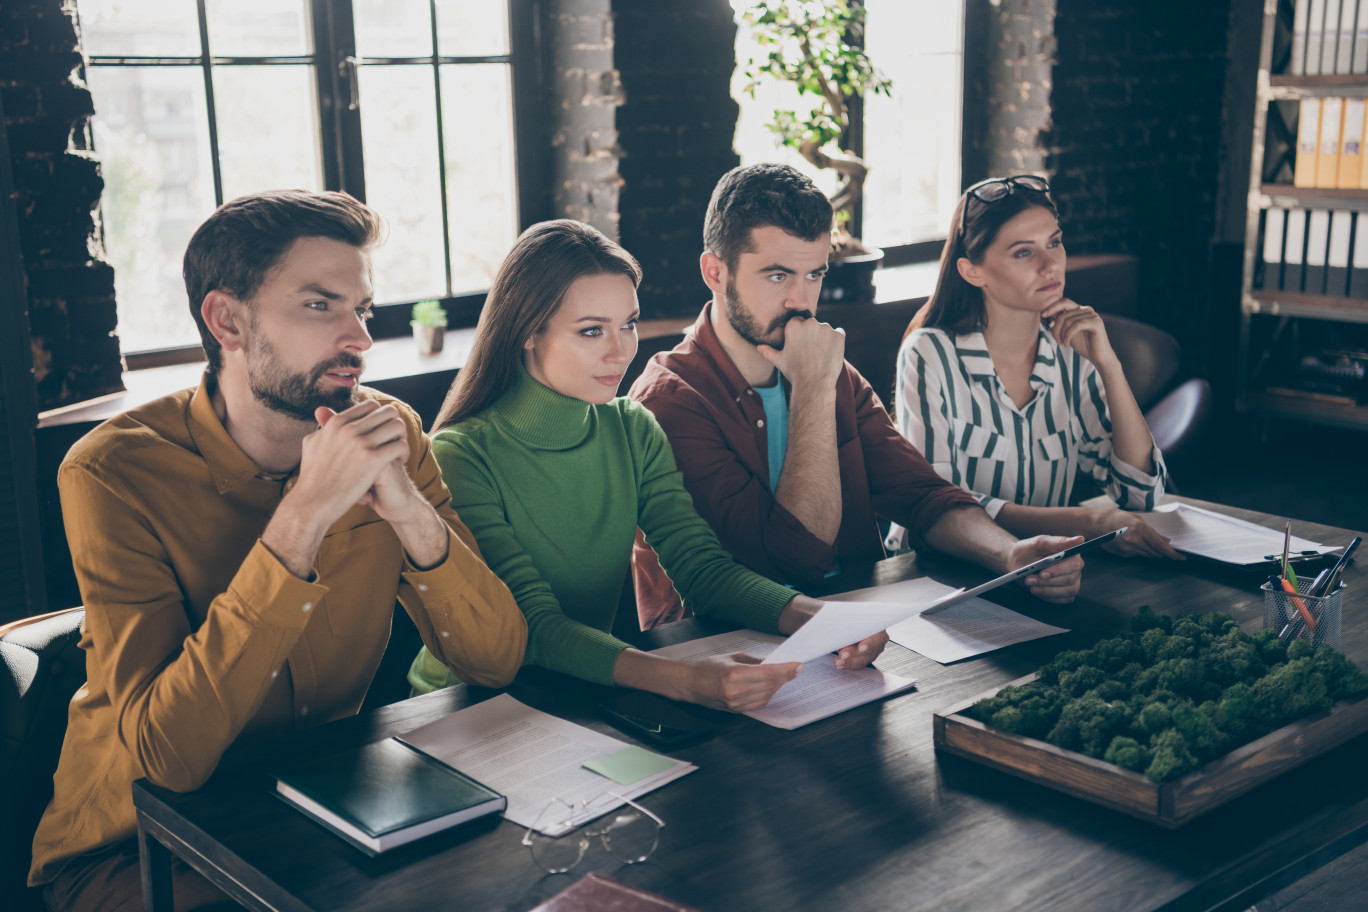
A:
675,129
585,93
1134,152
70,288
1019,67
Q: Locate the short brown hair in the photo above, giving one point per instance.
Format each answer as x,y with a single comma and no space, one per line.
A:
245,239
754,196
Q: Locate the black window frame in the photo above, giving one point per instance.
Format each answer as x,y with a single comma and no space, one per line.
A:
335,63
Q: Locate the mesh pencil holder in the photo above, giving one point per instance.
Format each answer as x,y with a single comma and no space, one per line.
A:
1283,615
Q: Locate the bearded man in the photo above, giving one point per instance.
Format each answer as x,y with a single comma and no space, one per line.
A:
785,447
240,545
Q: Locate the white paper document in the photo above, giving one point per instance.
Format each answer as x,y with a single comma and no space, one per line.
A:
1220,537
532,757
821,690
922,615
963,629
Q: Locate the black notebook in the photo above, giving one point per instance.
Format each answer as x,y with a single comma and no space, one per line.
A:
385,795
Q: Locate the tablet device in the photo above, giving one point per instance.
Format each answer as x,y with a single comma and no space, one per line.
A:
1023,572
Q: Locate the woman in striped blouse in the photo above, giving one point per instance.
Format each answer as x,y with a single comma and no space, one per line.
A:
1010,389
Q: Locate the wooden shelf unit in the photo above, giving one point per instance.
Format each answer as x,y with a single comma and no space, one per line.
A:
1272,304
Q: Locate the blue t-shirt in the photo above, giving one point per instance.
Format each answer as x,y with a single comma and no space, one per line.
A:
776,425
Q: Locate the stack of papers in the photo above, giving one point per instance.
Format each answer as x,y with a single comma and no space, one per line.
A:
533,757
822,690
958,632
923,615
1222,538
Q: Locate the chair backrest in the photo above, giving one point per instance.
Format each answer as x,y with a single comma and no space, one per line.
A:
42,667
1149,357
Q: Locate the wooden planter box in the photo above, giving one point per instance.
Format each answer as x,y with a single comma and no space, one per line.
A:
1170,804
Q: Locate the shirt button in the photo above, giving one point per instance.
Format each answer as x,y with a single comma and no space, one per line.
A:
289,485
308,606
303,710
422,587
759,422
750,392
275,674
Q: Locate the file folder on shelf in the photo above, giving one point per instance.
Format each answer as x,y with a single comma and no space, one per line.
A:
1331,119
1295,241
1274,219
1308,142
1317,246
1337,257
1351,147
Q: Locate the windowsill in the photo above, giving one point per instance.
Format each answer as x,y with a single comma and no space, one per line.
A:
388,359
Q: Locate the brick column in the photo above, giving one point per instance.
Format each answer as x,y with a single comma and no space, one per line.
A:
70,286
585,94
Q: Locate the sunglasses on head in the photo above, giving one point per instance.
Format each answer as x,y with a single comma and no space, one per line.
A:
995,188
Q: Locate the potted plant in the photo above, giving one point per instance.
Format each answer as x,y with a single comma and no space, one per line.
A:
814,45
429,326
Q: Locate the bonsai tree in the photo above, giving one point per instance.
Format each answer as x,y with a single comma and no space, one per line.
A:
810,45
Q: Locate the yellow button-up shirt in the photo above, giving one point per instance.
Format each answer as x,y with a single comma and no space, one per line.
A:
195,634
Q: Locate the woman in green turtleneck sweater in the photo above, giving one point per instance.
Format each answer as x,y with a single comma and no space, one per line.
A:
553,474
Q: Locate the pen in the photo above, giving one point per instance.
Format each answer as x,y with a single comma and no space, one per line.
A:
1340,564
1299,604
1287,543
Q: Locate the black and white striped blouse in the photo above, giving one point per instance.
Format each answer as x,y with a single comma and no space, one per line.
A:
953,407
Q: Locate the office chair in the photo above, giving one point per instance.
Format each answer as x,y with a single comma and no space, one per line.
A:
1150,358
43,666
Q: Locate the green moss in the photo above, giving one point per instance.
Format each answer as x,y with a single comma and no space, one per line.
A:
1174,693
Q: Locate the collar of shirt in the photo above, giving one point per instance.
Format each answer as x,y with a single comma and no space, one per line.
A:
711,348
228,465
542,417
972,349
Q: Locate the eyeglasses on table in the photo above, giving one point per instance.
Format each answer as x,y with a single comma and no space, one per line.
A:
630,834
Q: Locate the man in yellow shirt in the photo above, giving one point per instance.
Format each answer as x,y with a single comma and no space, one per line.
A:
240,546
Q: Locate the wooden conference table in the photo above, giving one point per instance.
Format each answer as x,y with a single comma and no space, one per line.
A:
854,810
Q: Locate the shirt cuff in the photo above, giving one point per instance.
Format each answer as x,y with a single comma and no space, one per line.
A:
271,594
992,506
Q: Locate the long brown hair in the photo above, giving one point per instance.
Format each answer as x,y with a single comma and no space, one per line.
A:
956,306
528,289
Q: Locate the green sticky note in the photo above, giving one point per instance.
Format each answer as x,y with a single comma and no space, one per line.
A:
631,764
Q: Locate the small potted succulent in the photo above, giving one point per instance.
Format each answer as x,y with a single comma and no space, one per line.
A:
429,326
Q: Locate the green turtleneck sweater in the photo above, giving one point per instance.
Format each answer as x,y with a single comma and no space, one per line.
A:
553,489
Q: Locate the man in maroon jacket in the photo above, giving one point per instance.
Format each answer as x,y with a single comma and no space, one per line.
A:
786,449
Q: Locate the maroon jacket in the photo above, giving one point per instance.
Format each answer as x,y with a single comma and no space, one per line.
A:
716,429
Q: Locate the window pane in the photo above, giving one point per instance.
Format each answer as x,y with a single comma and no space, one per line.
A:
477,118
267,128
138,28
394,28
466,29
151,135
399,131
258,28
754,141
912,139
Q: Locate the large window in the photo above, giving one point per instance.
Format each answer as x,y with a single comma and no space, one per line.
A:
407,104
910,139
